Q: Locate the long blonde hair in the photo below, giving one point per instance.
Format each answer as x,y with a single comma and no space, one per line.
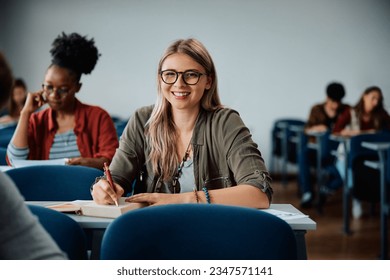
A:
161,131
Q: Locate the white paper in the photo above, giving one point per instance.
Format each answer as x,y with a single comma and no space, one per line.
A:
285,215
5,167
24,162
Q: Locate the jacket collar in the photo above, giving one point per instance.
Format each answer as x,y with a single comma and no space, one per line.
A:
53,126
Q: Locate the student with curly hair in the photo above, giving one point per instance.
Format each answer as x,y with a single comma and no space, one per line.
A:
82,133
187,147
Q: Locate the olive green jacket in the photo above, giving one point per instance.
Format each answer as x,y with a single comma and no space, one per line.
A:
224,154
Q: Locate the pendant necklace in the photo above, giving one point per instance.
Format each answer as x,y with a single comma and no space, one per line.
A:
175,180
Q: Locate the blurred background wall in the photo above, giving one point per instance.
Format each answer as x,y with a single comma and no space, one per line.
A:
274,57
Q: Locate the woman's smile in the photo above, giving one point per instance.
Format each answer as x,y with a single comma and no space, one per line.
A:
180,94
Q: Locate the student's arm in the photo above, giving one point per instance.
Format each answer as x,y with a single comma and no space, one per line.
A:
342,121
107,141
243,195
90,162
34,101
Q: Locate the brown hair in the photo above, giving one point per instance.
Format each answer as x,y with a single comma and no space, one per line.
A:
14,110
6,80
377,113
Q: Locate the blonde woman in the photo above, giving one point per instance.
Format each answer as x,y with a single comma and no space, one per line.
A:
187,148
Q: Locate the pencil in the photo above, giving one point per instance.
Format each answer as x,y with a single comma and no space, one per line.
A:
109,178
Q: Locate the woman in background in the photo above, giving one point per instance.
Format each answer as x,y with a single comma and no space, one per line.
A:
82,133
16,103
187,148
367,116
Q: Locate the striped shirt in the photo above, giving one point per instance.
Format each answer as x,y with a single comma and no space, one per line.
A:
64,146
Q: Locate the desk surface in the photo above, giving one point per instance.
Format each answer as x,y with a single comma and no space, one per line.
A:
304,223
5,167
376,146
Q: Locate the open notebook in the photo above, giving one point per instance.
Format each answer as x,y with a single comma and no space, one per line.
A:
90,208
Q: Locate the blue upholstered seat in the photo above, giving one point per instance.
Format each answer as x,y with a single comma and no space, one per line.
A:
65,231
198,231
54,182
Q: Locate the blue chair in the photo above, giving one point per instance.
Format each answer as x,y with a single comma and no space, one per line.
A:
383,166
65,231
365,181
54,182
198,232
120,124
3,153
360,180
6,134
284,145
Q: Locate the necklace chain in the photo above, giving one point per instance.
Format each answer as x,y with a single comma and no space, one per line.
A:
180,167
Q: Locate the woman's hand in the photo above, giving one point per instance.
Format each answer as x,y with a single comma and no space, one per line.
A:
103,193
317,128
34,101
349,132
90,162
162,198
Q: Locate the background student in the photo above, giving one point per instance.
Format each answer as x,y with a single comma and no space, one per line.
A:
67,128
21,235
367,116
322,118
187,147
16,103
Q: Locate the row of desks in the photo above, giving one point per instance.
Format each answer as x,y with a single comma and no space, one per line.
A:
98,225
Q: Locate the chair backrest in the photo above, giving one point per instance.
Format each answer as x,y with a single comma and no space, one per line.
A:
356,148
6,134
365,180
120,126
65,231
388,167
198,232
54,182
277,142
3,153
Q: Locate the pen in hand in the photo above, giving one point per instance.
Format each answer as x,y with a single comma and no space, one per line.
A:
109,178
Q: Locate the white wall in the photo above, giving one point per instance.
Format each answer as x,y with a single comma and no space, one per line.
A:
274,58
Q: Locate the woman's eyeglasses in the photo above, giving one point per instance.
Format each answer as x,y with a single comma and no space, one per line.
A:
49,89
190,77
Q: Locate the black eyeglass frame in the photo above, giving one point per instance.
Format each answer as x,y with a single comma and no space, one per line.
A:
182,76
60,91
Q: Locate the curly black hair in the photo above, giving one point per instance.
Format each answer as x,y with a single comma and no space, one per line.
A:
74,52
335,91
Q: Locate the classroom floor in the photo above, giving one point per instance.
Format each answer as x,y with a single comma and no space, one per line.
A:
328,242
